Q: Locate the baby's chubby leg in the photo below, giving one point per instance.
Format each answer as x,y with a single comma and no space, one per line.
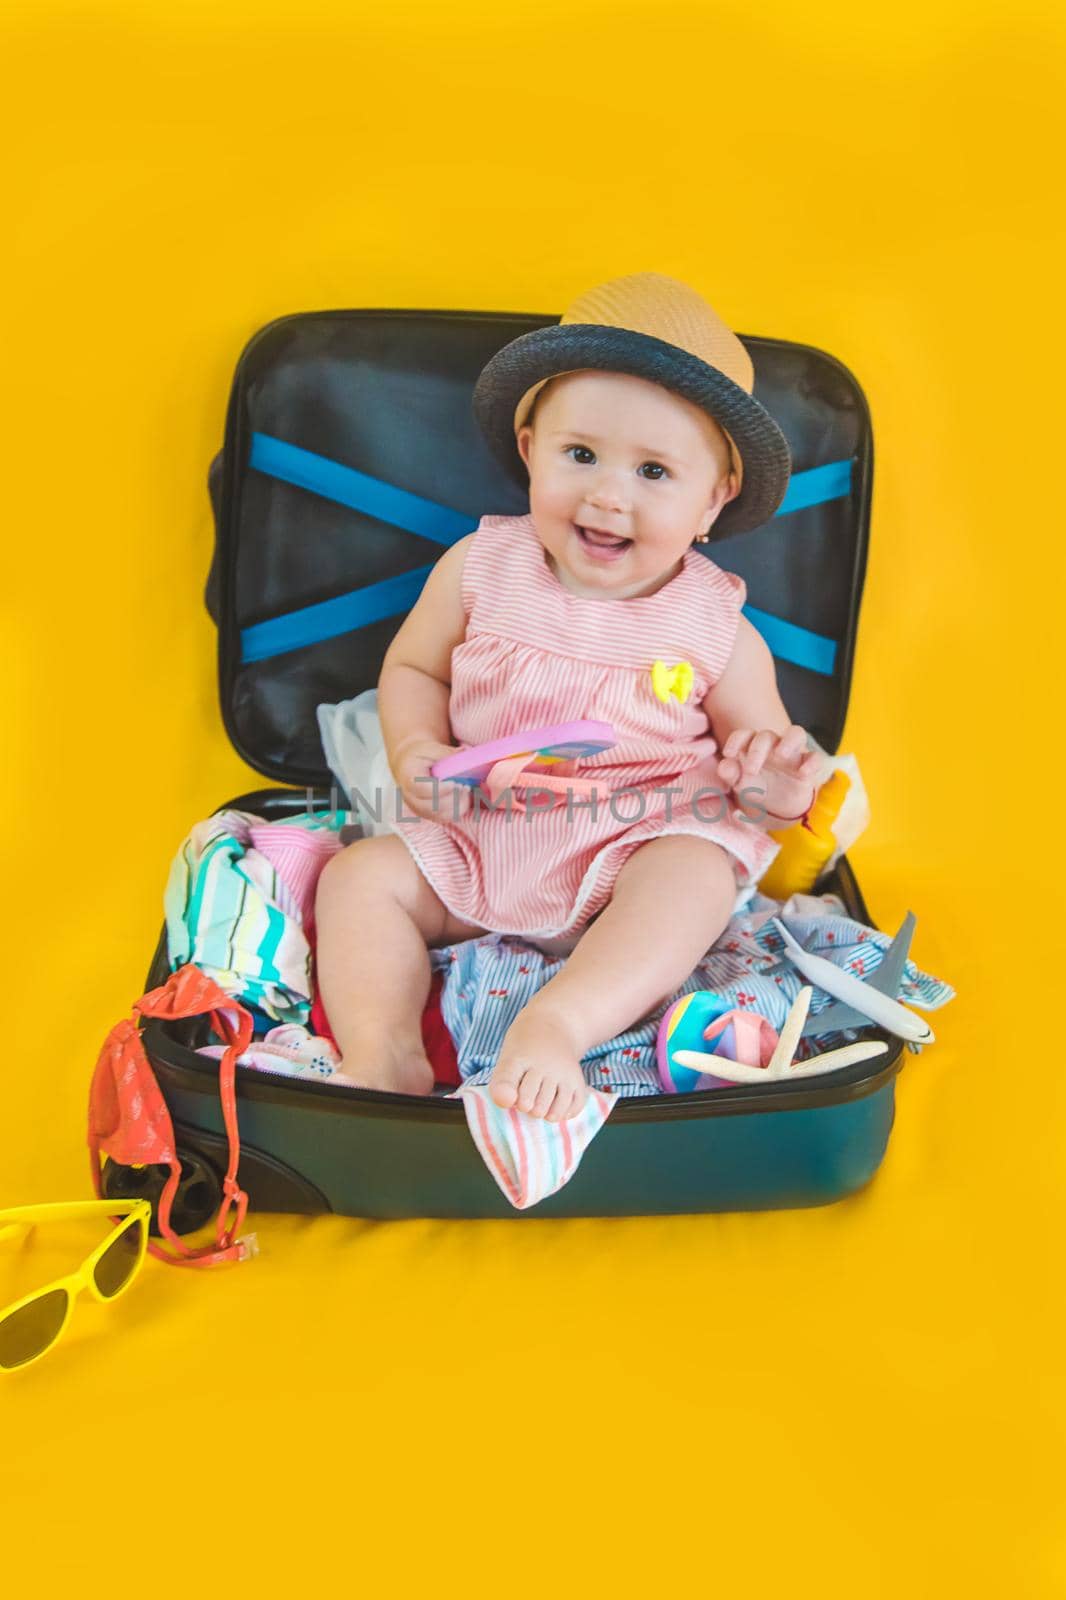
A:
375,917
671,900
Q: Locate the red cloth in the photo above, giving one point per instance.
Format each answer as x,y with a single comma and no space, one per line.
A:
435,1037
129,1120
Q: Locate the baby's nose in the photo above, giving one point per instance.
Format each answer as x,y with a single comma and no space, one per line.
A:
607,493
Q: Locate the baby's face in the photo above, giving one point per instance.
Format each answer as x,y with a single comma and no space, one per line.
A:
623,474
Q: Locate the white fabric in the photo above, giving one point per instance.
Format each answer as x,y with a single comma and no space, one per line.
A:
853,817
355,753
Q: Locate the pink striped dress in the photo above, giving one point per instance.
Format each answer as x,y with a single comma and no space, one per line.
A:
536,654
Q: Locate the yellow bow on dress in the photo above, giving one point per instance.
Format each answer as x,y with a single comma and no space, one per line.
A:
676,681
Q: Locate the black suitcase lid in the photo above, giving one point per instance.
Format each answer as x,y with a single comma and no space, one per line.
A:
352,458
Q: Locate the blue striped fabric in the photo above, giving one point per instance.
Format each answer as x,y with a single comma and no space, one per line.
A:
487,981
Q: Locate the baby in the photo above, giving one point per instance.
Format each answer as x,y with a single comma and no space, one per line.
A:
635,422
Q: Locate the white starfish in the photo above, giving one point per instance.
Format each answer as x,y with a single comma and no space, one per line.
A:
781,1063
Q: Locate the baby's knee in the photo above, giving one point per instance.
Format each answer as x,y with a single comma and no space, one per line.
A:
680,864
367,868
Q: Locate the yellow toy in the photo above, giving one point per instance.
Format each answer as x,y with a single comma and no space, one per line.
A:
676,681
807,845
32,1325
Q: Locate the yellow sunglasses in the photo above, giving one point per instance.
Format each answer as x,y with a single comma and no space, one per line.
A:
32,1325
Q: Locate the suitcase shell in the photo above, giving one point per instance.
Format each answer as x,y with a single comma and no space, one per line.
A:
317,558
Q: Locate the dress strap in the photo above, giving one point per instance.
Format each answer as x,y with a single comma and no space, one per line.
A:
504,561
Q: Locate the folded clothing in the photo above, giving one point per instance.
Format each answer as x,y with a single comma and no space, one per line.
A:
239,904
297,851
237,897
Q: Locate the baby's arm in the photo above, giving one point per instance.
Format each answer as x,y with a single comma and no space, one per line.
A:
763,756
415,683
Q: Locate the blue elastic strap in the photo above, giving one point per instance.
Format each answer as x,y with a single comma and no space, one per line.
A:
389,598
393,596
818,484
789,642
334,481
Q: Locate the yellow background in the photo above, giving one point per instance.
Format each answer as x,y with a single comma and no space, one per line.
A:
865,1400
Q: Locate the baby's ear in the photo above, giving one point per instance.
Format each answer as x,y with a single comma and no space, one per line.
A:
522,440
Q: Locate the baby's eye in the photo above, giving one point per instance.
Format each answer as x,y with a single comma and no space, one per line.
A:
657,465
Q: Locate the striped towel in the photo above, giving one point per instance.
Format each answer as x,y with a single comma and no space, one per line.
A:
529,1157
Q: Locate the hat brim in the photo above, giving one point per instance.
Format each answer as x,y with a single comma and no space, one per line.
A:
572,346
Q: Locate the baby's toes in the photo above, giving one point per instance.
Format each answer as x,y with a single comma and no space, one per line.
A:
568,1102
504,1083
562,1107
581,1094
549,1092
531,1088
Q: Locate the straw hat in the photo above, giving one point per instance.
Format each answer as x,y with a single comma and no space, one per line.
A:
657,328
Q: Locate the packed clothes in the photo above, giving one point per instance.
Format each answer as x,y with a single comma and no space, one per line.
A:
239,904
488,981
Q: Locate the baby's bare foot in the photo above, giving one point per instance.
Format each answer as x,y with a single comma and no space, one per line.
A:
539,1068
373,1062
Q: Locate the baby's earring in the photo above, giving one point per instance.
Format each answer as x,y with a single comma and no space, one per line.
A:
702,538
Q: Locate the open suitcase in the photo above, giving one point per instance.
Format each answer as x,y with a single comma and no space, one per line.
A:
351,457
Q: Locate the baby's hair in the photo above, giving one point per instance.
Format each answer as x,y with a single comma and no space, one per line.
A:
536,402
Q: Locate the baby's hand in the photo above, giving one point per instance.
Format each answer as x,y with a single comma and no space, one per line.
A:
411,770
774,771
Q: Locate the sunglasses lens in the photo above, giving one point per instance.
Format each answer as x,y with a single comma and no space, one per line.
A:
31,1329
116,1266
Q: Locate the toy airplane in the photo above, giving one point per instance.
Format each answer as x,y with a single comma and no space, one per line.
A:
861,1001
781,1065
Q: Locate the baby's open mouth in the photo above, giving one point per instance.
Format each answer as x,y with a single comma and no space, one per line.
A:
601,544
